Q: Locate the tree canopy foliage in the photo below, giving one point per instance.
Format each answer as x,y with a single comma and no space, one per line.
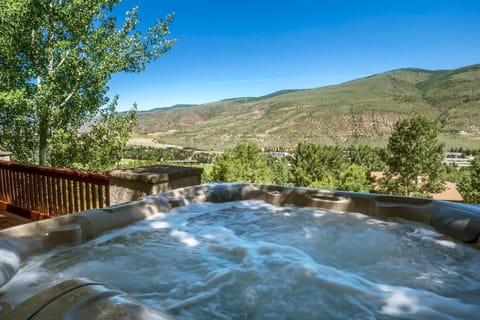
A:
470,184
280,166
327,167
367,157
56,58
414,158
244,163
313,165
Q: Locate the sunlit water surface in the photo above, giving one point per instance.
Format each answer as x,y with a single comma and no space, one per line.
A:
252,260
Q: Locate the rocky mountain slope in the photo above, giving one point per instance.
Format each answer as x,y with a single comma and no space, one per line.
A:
362,110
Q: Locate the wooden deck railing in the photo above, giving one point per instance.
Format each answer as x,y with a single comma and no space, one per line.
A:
38,192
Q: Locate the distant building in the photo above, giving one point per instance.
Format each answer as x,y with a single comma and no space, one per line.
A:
277,154
458,159
184,162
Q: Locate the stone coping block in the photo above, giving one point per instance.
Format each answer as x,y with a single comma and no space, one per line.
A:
136,183
154,174
5,155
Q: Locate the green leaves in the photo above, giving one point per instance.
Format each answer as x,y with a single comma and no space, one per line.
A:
327,167
469,186
314,163
17,127
353,178
100,148
60,55
414,158
244,163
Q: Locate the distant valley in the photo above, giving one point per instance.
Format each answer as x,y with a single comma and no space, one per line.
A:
362,111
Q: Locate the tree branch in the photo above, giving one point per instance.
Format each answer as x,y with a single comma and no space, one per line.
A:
70,95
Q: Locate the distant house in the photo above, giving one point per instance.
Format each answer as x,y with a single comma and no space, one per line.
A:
184,162
458,158
450,193
277,154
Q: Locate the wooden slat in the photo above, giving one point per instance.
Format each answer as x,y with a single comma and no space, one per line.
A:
100,196
94,196
23,190
13,185
87,195
44,184
51,207
58,197
36,192
40,193
107,194
31,190
64,197
16,195
75,195
18,189
70,196
2,185
6,183
82,197
28,186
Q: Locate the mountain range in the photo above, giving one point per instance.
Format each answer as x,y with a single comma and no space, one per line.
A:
362,110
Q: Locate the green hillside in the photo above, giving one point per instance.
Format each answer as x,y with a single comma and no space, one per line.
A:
362,110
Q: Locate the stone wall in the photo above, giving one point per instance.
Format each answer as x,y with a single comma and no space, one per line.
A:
4,155
136,183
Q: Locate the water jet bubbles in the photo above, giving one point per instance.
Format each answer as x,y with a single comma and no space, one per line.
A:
249,259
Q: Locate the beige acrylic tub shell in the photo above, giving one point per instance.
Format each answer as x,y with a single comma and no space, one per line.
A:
460,221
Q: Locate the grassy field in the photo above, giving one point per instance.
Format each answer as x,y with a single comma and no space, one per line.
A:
456,141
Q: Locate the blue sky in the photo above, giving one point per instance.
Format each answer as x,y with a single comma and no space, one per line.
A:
230,48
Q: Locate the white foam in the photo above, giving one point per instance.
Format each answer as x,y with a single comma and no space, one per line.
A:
184,238
160,225
447,243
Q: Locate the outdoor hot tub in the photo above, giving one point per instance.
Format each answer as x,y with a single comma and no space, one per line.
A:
243,251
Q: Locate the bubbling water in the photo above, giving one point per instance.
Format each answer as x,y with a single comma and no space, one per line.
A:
252,260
